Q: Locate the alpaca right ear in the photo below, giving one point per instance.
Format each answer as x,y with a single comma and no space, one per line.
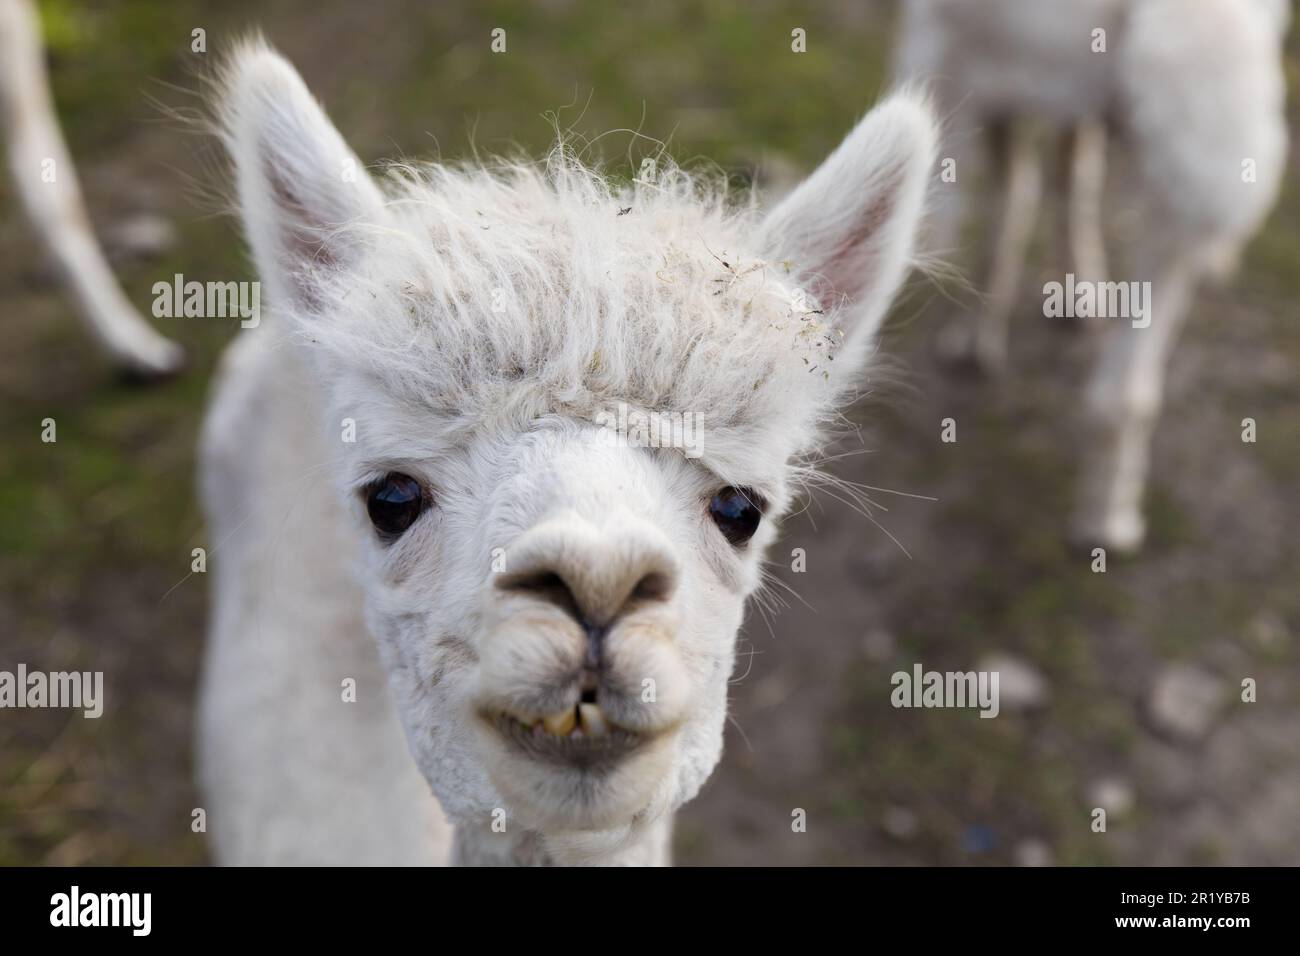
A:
850,228
299,184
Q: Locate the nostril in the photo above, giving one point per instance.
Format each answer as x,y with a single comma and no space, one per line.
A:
546,586
655,586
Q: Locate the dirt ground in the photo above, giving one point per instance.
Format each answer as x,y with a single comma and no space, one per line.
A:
96,529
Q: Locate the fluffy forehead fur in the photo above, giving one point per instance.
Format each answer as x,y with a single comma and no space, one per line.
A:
500,295
492,295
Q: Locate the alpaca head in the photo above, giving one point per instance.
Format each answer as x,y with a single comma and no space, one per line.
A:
555,588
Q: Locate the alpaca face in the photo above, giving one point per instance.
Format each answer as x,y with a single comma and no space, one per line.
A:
556,602
559,617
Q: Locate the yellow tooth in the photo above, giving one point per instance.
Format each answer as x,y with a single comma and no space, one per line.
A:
593,721
560,724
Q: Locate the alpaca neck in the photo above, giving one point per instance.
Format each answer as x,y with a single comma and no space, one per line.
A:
643,845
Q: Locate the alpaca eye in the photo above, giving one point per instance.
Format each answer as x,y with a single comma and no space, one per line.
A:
736,512
394,503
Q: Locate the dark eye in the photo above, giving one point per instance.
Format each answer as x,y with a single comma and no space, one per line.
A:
394,503
736,512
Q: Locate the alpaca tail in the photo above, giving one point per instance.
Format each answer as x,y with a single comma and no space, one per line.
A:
48,192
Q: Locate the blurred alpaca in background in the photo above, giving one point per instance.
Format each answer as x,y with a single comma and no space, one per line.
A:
1193,91
46,184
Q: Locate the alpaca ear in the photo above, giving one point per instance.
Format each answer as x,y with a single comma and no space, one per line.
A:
299,184
850,228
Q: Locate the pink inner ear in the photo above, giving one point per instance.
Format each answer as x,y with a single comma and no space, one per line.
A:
847,270
301,246
301,235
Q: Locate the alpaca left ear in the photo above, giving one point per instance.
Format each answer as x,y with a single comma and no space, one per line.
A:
849,229
300,186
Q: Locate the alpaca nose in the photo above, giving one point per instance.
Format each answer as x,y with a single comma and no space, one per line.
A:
552,587
596,576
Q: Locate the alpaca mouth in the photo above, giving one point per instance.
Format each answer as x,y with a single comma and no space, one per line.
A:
580,737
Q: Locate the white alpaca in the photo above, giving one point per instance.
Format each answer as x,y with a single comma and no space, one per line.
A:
1196,92
406,487
47,188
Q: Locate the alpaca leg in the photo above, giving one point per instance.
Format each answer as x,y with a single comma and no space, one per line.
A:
1087,183
1022,192
1123,402
46,184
